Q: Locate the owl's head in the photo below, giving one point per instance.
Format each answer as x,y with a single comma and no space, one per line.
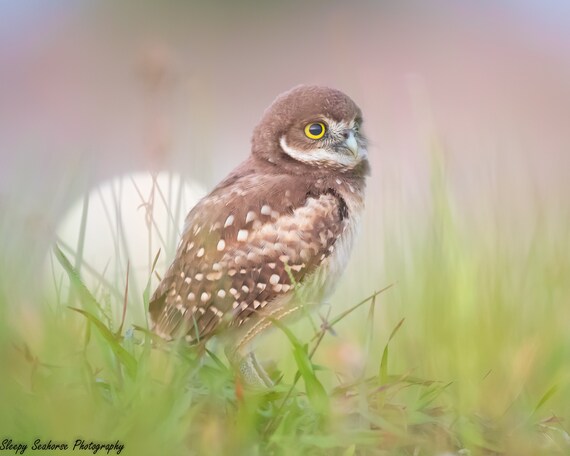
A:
315,126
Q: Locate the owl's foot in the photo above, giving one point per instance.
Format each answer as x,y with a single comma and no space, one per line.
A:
250,370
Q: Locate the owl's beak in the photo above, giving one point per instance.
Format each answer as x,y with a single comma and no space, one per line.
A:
351,144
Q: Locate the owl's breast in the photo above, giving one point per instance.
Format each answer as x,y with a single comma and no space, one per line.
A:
323,281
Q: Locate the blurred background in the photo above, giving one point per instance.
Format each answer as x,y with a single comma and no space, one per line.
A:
94,90
466,104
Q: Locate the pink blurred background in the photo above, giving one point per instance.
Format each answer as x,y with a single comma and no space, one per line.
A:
92,90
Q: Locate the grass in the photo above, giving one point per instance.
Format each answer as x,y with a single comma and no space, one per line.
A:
466,354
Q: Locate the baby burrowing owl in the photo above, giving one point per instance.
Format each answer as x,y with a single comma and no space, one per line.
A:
276,234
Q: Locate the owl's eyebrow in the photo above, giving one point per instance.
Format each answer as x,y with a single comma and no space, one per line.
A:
317,118
334,124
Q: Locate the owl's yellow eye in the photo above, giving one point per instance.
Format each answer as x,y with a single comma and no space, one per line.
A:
315,130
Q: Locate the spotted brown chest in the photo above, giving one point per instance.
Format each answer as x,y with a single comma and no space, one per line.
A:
257,238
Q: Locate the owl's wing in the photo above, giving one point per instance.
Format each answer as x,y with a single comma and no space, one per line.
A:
244,245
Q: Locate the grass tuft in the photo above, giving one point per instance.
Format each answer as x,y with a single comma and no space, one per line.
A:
480,366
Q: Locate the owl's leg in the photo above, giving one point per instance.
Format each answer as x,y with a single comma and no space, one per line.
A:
249,368
243,357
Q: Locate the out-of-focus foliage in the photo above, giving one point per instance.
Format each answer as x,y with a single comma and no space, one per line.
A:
477,366
465,354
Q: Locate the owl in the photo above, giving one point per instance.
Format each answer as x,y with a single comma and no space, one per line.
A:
273,238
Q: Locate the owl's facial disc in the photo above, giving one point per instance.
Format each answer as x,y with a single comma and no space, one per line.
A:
325,142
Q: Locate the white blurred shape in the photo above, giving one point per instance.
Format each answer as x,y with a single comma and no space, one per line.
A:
126,221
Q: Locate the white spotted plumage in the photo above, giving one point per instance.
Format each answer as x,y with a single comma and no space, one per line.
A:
275,234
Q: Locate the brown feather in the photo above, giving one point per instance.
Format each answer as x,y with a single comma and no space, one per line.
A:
271,225
245,249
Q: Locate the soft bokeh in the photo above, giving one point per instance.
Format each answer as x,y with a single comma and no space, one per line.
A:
91,91
467,107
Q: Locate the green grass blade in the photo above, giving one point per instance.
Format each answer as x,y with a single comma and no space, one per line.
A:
146,292
315,390
431,395
546,397
344,314
384,362
85,295
126,359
